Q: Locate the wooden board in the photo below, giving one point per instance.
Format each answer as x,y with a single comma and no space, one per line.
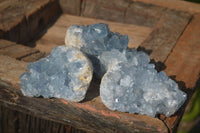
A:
165,34
175,4
11,69
12,121
184,64
20,21
14,50
56,34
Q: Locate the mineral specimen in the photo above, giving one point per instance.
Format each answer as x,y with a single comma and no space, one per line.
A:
95,39
133,85
65,73
130,84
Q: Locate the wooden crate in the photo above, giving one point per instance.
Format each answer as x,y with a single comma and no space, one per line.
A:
167,30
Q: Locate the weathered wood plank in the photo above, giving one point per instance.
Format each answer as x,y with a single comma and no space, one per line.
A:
143,14
14,50
89,117
165,34
56,34
5,43
184,64
21,20
12,121
71,6
175,4
105,9
184,61
125,11
33,57
11,69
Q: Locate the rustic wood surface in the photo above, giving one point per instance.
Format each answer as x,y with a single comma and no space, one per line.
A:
71,6
11,69
56,34
14,50
175,4
184,64
12,121
168,31
21,20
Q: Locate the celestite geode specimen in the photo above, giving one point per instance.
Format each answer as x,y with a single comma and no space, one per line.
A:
65,73
129,82
133,85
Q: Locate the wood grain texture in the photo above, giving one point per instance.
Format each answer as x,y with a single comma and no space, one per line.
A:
184,64
11,69
166,33
12,121
143,14
175,4
70,6
184,61
14,50
33,57
124,11
21,20
84,116
5,43
56,34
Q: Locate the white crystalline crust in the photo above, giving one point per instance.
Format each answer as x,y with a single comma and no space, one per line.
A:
65,73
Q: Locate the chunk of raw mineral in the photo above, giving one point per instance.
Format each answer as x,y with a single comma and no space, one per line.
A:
133,85
66,73
95,39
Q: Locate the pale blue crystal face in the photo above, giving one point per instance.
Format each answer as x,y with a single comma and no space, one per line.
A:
95,39
65,73
133,85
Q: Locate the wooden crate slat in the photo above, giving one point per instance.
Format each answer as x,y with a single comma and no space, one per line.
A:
12,121
11,69
5,43
16,51
175,4
166,33
34,57
70,6
184,61
56,34
20,21
184,64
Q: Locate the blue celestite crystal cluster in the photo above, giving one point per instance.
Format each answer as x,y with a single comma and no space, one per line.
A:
95,39
65,73
129,82
133,85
